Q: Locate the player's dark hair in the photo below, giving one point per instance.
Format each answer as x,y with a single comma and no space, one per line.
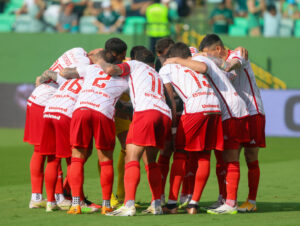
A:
210,40
116,45
113,47
134,50
145,56
271,7
163,44
179,49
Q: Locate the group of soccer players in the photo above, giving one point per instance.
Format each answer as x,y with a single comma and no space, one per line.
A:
193,103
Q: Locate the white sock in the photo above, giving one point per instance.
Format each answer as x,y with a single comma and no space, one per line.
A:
170,201
36,197
193,202
75,201
52,203
106,203
156,203
59,198
230,202
129,203
252,202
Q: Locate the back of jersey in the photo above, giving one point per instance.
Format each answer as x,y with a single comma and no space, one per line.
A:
100,91
146,88
232,105
245,84
192,87
64,99
72,58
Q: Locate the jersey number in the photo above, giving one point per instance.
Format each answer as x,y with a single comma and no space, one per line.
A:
56,66
153,84
101,85
204,82
74,87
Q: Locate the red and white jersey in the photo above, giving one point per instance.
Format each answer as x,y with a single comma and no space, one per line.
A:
64,99
72,58
146,88
192,87
100,91
245,84
232,105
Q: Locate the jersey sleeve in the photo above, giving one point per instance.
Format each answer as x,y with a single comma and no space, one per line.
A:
206,61
236,55
60,80
164,73
82,70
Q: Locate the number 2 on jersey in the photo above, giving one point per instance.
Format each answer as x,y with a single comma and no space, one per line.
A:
101,85
153,84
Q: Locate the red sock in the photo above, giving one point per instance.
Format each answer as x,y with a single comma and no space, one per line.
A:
76,176
202,175
163,163
66,185
193,162
106,178
221,173
177,174
131,179
51,170
253,179
232,179
59,182
37,171
154,179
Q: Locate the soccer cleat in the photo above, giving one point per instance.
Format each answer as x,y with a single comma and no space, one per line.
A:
153,210
215,205
65,204
224,209
183,205
51,206
37,204
170,209
75,210
192,209
247,207
106,210
123,211
114,201
89,207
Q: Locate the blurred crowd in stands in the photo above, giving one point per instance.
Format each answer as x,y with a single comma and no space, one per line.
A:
234,17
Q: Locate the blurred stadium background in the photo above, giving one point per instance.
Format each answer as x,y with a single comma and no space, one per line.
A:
30,43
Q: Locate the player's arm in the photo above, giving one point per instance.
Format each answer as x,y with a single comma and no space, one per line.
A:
47,75
192,64
170,94
69,73
115,70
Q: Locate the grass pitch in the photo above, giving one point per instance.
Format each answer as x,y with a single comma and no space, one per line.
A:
278,196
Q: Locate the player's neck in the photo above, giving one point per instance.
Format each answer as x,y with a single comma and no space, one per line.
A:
224,54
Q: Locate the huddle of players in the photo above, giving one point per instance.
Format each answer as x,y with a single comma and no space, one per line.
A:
76,101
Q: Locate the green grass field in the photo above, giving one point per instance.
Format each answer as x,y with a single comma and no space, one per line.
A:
278,198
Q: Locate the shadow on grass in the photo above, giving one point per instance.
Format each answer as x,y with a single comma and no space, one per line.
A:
263,207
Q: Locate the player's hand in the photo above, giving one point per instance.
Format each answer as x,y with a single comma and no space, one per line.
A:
172,60
38,81
244,52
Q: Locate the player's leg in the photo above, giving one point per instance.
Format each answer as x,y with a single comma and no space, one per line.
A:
51,173
176,177
189,180
37,177
221,174
154,179
231,158
202,174
251,155
76,177
121,167
106,177
59,196
164,165
131,180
